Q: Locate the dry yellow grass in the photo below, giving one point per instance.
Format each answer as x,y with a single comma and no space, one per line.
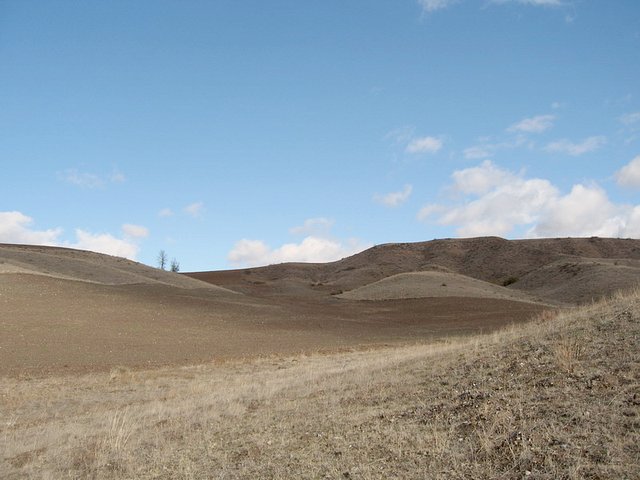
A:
556,398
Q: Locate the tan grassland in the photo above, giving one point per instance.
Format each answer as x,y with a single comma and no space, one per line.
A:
555,398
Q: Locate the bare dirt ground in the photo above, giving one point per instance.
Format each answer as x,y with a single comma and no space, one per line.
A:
70,311
50,325
435,284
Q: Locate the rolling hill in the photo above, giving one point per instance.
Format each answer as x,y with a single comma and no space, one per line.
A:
543,268
64,310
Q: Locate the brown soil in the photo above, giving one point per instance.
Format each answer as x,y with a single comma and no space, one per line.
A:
434,284
491,259
64,310
51,325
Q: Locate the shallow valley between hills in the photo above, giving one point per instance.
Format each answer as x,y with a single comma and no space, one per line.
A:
465,358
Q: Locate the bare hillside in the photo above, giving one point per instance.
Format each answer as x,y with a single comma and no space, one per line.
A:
76,311
490,259
70,311
434,284
81,265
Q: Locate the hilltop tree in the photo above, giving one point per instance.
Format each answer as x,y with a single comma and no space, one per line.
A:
162,260
175,266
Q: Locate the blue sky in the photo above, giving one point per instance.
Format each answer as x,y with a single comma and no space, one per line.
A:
236,133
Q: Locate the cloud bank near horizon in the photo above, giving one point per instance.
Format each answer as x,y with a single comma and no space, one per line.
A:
16,227
317,246
496,201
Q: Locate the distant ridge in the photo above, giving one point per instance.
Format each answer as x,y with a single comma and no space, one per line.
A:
568,270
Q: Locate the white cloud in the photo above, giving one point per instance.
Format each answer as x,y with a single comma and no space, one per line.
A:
16,227
395,199
585,211
135,231
630,118
424,145
195,209
249,253
316,246
311,249
500,209
575,149
433,5
313,226
537,124
498,202
629,175
104,243
165,212
481,179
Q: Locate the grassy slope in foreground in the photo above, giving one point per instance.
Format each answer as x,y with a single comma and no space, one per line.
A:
556,398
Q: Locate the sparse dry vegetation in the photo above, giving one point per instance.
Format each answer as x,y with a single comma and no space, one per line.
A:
556,398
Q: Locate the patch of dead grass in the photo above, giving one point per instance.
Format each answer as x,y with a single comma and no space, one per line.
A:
556,398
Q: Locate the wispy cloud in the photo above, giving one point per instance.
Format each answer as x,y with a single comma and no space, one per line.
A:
488,149
135,231
117,177
535,3
537,124
313,226
165,212
424,145
630,118
88,180
401,135
434,5
82,179
394,199
576,149
430,6
194,209
479,151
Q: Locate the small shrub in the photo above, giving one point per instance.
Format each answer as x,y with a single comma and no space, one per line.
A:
568,353
509,281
